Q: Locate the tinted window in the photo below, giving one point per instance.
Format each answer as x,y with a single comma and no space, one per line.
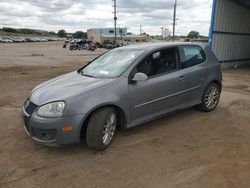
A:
159,62
191,55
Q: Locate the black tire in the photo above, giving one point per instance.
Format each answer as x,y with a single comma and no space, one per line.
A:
96,127
205,105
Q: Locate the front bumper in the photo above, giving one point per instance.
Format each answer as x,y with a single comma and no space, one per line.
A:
49,131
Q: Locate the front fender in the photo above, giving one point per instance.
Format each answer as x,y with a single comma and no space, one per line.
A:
115,94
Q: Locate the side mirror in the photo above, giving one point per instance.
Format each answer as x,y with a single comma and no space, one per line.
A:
139,77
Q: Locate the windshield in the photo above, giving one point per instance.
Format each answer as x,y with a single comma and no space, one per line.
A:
112,64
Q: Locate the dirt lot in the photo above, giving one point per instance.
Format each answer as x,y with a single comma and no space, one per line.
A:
186,149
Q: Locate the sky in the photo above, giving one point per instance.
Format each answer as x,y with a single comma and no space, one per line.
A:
80,15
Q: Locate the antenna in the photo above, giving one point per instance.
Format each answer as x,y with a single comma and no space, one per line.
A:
174,19
115,19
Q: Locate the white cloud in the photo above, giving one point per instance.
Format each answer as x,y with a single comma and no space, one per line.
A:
74,15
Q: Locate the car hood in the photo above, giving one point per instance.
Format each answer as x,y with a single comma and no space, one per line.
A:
65,86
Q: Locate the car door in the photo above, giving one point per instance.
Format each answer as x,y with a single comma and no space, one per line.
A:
162,92
192,71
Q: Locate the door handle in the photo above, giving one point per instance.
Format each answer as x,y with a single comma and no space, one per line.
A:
181,78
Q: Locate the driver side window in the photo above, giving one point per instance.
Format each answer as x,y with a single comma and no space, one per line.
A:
159,62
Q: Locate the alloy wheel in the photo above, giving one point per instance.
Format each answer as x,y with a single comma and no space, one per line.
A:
109,128
212,97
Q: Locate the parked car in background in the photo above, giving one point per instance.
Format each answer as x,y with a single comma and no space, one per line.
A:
6,40
15,39
124,87
108,44
43,40
28,40
80,44
1,40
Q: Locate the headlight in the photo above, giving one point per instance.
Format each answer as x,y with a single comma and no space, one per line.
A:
54,109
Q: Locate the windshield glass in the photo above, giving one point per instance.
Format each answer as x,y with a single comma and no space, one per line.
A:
112,64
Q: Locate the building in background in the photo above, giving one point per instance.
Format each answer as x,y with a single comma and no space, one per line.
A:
102,35
109,31
229,34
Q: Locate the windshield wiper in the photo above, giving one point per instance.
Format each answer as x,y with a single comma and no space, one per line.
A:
88,75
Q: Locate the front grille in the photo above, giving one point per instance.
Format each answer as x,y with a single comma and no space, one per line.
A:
30,107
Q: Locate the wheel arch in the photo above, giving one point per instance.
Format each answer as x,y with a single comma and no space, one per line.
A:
216,82
121,114
207,84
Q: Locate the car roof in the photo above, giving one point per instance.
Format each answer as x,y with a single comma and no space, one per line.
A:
155,46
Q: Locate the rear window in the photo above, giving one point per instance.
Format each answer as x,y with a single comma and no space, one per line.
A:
191,55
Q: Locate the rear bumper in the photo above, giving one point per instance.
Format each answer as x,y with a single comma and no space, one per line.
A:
49,131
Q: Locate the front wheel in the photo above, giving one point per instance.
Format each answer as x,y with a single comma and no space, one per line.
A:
210,98
101,128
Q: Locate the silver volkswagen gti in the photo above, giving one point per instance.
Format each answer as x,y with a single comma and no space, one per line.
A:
124,87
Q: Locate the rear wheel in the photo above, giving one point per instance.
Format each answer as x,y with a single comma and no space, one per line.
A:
101,128
210,98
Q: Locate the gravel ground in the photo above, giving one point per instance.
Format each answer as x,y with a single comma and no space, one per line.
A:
188,148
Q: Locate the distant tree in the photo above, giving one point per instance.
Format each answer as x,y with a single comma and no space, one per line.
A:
7,29
79,35
193,34
61,33
52,33
28,31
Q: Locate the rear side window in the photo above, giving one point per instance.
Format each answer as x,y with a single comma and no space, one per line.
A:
191,55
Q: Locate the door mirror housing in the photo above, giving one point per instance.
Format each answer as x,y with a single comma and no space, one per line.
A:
139,77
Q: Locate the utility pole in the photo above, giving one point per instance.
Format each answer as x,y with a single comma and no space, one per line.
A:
174,19
121,33
121,37
162,32
115,19
140,30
